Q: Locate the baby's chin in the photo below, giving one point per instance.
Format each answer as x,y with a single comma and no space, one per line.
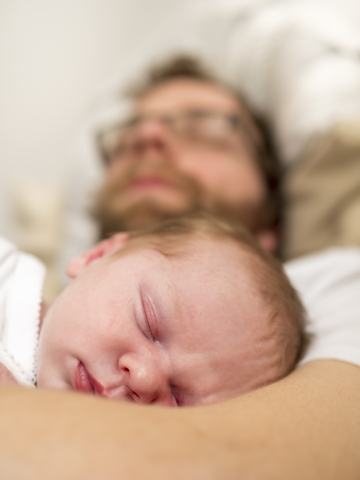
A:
51,378
52,384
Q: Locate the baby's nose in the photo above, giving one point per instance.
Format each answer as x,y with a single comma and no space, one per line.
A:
147,380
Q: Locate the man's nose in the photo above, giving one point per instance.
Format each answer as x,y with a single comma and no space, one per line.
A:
146,381
152,138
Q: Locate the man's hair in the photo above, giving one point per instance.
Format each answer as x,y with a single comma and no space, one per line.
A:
172,237
258,137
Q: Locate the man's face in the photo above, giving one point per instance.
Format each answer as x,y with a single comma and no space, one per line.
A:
172,331
154,174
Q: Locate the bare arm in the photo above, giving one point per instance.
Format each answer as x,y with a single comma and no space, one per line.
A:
305,426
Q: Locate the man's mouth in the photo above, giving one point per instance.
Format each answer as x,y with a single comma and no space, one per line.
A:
149,182
85,383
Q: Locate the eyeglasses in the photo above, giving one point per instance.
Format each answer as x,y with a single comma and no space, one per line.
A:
204,127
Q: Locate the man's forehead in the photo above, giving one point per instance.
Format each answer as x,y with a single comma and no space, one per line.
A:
183,93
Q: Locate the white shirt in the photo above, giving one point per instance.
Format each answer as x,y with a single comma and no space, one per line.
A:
329,286
21,283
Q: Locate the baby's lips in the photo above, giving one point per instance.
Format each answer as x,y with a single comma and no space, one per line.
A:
82,379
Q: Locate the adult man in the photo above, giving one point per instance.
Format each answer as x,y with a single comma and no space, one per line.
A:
288,68
186,142
190,143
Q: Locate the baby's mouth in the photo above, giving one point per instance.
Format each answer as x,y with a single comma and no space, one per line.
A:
83,381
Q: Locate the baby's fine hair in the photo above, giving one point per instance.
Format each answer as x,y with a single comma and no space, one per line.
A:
286,312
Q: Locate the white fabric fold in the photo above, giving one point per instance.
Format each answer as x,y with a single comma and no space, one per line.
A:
329,286
297,63
21,283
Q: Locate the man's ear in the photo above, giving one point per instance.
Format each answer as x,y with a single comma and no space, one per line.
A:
268,239
102,249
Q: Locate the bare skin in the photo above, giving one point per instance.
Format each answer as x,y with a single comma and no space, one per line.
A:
6,377
193,343
306,426
157,168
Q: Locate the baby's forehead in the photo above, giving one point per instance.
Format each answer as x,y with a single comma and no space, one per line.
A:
199,263
185,249
201,271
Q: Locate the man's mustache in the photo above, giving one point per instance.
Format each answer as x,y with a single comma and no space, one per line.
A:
163,171
115,213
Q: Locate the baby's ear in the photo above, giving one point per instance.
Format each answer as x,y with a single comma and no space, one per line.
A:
102,249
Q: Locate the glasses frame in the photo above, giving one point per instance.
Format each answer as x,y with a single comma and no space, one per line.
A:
233,120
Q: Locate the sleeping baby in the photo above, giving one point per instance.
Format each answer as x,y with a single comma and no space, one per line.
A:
189,312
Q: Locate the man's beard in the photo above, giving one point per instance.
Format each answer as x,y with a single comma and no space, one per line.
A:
114,215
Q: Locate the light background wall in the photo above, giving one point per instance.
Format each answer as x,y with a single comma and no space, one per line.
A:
55,56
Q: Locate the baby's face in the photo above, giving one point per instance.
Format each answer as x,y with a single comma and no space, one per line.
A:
142,327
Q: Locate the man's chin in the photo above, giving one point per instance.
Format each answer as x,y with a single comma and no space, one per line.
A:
162,197
140,214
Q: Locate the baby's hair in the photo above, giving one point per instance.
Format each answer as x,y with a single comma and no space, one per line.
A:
287,316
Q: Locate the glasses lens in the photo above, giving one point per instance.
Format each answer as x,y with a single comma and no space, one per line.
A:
113,140
206,126
201,126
